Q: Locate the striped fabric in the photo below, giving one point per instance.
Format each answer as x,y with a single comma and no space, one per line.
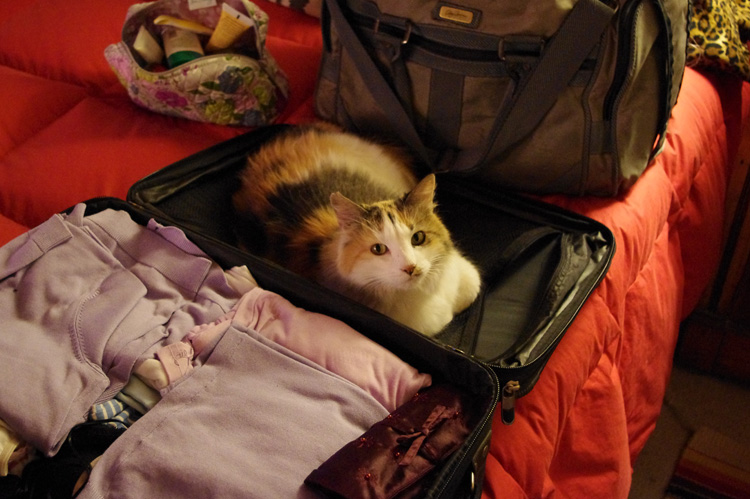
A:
121,415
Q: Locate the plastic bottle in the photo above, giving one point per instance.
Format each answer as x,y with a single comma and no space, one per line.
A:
180,46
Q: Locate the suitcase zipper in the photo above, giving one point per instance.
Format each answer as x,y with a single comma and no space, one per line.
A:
479,430
508,401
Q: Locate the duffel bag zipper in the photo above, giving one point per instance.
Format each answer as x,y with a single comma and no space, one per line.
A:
476,54
625,54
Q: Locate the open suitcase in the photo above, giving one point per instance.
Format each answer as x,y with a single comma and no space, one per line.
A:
539,264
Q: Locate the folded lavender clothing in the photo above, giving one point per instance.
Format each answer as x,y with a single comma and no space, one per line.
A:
250,421
88,298
82,299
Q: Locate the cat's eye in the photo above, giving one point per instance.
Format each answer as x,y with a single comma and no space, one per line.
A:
417,238
378,249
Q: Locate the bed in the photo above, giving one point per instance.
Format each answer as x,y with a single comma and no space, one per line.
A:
69,132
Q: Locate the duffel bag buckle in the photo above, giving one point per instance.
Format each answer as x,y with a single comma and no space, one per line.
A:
520,47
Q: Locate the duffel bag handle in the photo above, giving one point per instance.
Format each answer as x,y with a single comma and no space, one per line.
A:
561,59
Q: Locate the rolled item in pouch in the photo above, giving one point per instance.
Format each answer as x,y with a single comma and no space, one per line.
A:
232,24
148,47
185,24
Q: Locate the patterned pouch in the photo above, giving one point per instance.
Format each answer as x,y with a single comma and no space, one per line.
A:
243,86
718,32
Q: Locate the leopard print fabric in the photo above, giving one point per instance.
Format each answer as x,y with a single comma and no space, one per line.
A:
718,32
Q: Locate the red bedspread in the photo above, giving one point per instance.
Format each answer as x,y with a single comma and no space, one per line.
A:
68,132
582,427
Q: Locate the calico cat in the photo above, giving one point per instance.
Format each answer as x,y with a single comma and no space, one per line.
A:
349,213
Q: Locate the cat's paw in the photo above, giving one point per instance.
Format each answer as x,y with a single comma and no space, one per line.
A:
428,315
434,321
469,286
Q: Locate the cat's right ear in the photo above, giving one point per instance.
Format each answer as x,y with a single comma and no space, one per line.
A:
423,194
347,211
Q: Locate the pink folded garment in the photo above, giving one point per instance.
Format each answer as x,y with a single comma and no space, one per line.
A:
322,339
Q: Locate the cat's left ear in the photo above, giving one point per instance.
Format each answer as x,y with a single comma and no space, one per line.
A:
347,211
423,193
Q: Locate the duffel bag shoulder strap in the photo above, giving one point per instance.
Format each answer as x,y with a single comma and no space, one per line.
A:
377,85
561,58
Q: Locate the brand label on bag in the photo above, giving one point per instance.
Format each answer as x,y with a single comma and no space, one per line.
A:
457,14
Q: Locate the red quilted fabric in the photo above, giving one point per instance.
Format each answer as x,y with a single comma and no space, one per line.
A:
68,132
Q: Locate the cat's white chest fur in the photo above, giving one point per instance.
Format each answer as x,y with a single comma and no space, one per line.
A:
428,308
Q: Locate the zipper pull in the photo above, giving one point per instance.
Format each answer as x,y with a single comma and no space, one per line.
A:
508,403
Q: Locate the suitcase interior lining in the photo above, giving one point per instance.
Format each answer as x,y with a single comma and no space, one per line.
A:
196,195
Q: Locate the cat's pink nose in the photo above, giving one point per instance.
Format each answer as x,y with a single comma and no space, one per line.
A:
409,269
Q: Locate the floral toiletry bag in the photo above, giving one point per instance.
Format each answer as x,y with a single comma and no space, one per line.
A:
233,83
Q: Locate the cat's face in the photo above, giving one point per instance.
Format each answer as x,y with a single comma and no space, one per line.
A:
390,245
